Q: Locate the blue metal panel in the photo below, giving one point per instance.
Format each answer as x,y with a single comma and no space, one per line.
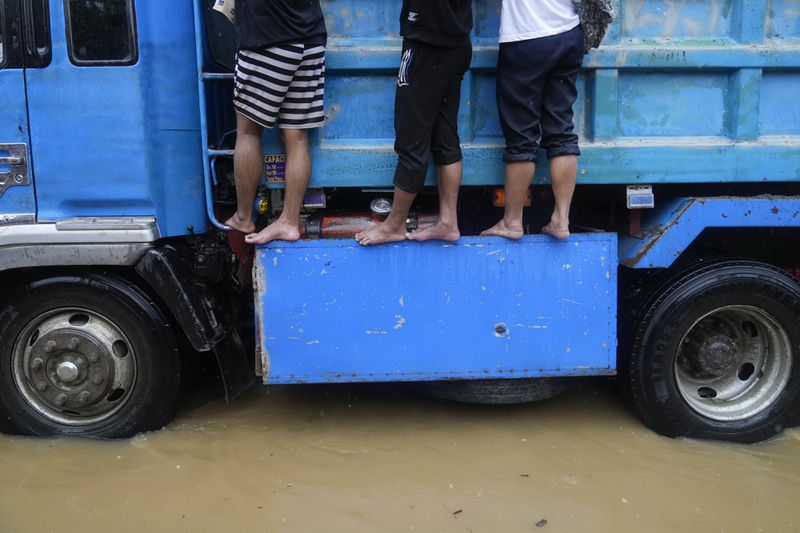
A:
332,311
664,19
17,200
122,140
780,114
671,228
658,104
675,95
783,22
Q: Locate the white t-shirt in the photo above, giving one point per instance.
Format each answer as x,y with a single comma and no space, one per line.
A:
521,20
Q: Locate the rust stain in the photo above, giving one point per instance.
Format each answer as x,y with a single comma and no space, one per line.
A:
659,231
263,360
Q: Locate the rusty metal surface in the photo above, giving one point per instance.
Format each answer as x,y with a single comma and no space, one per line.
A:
671,228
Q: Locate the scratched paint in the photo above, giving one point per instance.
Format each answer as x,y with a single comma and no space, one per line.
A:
670,229
14,129
637,113
655,104
783,19
138,151
666,19
482,307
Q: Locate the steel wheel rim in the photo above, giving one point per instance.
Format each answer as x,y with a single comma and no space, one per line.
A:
74,366
733,363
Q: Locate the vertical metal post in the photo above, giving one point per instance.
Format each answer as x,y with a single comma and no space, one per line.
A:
198,36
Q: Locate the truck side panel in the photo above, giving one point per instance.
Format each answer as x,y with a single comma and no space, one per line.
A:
333,311
680,92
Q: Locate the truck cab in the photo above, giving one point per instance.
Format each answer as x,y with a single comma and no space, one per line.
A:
116,141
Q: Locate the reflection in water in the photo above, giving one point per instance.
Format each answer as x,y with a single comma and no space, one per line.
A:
381,458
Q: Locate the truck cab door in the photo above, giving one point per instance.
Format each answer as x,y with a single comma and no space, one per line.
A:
17,200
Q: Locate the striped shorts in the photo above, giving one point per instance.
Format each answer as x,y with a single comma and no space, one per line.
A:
284,83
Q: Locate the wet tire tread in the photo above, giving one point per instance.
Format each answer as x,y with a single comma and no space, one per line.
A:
160,365
668,292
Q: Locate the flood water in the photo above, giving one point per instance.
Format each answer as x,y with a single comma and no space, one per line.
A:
383,458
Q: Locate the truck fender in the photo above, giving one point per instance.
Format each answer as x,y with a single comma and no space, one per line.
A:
197,311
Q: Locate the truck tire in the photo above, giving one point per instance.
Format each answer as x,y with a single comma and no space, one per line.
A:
713,352
87,355
496,391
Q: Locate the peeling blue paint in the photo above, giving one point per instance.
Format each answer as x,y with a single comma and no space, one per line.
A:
680,92
415,311
670,229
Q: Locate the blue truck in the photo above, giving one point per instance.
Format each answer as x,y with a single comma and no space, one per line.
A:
116,138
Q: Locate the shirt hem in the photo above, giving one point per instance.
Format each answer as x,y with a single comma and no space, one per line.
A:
537,34
436,37
312,40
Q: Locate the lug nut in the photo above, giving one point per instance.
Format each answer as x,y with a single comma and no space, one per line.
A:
97,380
60,399
93,357
73,343
83,397
37,364
50,346
41,386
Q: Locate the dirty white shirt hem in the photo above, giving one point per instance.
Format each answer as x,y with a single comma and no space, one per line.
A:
521,20
536,34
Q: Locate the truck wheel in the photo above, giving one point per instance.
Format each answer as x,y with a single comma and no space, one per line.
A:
714,351
87,355
496,391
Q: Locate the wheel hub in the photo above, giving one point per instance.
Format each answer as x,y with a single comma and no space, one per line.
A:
733,363
713,356
70,369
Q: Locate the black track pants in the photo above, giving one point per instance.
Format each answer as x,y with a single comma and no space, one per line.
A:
426,110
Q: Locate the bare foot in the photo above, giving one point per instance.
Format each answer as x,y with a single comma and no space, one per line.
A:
280,230
380,233
501,229
437,232
555,230
238,223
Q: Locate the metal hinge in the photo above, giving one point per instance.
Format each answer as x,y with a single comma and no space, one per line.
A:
17,159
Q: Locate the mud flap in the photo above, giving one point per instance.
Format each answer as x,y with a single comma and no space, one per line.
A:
235,366
194,307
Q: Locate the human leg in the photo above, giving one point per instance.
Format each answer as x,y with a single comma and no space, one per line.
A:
260,87
393,229
519,95
447,156
298,172
247,172
518,176
446,227
300,108
417,100
558,136
563,174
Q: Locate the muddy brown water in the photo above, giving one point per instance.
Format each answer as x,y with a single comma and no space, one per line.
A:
382,458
